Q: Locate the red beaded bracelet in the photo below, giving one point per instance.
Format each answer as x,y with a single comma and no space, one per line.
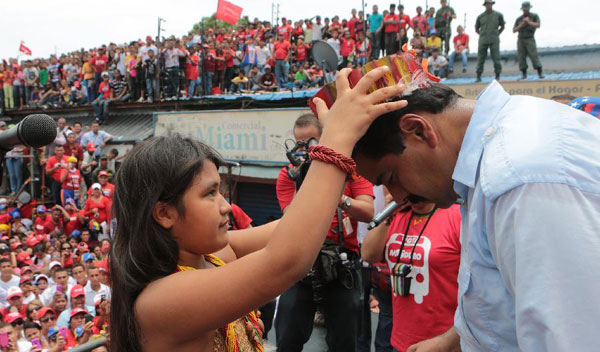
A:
330,156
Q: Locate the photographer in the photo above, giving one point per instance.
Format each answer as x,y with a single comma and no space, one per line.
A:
333,284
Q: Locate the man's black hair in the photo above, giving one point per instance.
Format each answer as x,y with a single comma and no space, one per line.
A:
31,325
114,151
384,137
77,122
4,260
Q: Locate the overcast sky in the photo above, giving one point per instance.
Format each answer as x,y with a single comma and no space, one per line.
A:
66,25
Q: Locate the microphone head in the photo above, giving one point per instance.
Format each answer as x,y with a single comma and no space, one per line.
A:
37,130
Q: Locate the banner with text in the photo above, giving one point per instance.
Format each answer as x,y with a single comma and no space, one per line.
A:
244,135
542,89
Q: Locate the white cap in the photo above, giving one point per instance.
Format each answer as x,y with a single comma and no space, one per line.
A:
13,291
53,264
38,277
97,186
3,201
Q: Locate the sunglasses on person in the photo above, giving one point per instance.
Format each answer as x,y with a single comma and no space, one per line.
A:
66,247
48,318
34,309
17,322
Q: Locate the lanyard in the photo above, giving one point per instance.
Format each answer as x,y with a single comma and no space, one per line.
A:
430,215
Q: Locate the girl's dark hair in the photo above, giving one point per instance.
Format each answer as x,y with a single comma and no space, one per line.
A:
158,170
384,137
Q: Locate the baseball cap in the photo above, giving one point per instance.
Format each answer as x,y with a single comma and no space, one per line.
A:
69,201
39,277
53,264
45,310
72,159
24,279
52,331
75,234
4,227
76,311
11,317
103,157
488,2
14,292
96,186
77,291
2,124
31,241
77,84
3,201
91,147
26,269
41,209
267,67
148,37
103,173
83,247
2,206
23,257
88,256
526,5
16,245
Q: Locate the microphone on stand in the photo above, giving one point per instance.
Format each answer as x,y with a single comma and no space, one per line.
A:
34,131
384,214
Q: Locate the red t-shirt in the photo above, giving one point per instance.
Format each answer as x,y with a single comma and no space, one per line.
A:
103,209
286,31
346,47
73,223
209,63
52,161
405,21
76,151
392,28
242,220
286,188
99,63
281,49
301,52
5,218
104,89
73,180
338,26
351,23
429,309
44,226
191,67
461,40
220,63
22,311
229,55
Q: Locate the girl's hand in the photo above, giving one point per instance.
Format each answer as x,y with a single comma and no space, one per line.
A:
355,109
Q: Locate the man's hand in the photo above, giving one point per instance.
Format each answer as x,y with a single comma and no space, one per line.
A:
447,342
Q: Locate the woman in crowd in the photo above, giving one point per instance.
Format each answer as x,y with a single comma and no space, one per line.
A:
421,246
161,270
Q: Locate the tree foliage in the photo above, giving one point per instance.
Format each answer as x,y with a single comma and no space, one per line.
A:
213,22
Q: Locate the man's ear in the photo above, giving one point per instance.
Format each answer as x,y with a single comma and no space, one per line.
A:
418,127
165,215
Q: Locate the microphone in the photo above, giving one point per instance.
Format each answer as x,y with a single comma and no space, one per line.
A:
385,213
35,131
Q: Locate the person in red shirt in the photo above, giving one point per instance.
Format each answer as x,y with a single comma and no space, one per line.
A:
281,50
392,29
72,148
42,221
209,68
347,49
99,63
79,331
54,166
14,298
351,24
420,21
405,21
421,246
336,25
72,180
461,47
285,30
341,302
301,50
5,217
75,218
220,67
108,189
97,207
191,71
229,63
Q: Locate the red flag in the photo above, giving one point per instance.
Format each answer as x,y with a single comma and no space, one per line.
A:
25,50
228,12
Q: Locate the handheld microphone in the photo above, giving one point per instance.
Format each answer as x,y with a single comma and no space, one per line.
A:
33,131
385,213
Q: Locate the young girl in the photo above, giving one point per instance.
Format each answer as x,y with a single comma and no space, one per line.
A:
168,292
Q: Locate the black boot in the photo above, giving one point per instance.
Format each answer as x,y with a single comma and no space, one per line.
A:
497,77
478,77
540,73
524,74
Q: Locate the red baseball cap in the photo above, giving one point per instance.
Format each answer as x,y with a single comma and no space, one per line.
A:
24,278
76,311
16,245
91,147
45,310
23,257
77,291
148,37
12,317
31,241
13,292
103,173
82,246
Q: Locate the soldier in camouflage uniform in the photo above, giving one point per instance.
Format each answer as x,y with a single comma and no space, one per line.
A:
489,25
526,25
443,17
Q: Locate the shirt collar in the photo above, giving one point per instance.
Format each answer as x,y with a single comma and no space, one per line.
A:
489,103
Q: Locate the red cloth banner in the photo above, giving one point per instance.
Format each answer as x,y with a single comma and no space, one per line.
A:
228,12
25,50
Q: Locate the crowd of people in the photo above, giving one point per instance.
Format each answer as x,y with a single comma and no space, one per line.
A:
54,282
258,56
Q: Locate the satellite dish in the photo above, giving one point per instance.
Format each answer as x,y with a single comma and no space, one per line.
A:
324,55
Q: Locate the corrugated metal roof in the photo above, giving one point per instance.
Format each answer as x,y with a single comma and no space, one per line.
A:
126,127
558,76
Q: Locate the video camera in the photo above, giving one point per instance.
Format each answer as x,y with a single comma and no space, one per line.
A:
297,154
